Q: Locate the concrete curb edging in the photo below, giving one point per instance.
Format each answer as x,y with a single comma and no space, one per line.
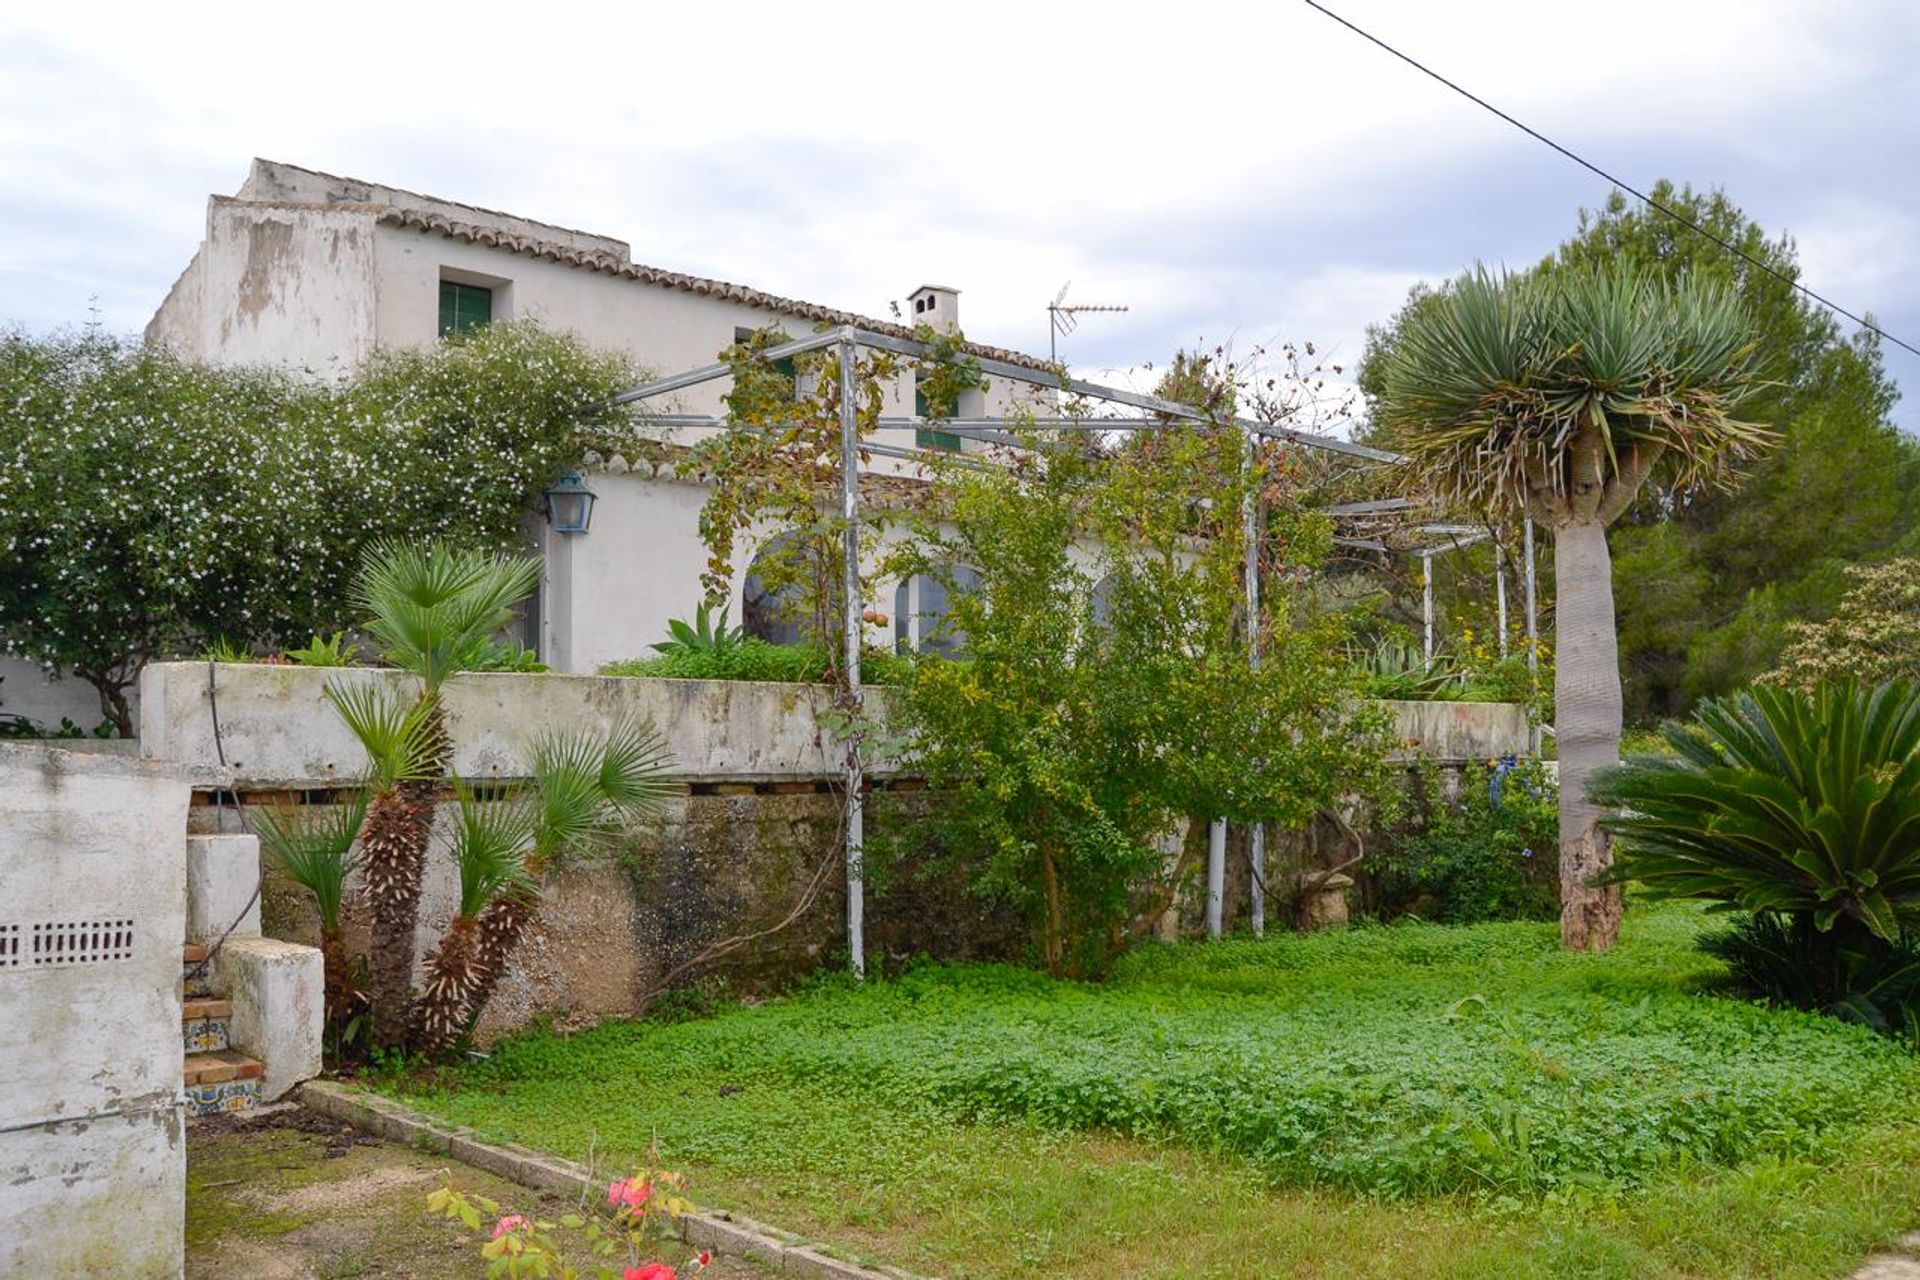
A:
721,1232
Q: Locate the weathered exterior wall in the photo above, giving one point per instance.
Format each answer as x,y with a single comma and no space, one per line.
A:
614,924
92,917
1461,730
278,731
277,284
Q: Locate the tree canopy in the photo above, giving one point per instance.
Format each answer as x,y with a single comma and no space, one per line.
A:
150,506
1710,579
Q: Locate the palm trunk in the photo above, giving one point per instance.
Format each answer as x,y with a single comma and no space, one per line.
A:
1587,710
504,922
335,984
440,1014
393,853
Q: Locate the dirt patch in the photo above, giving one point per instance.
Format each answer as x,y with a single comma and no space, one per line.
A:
332,1197
293,1196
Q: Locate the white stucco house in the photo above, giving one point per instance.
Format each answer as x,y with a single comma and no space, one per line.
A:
315,272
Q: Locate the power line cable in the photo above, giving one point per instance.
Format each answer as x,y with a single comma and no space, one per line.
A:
1642,196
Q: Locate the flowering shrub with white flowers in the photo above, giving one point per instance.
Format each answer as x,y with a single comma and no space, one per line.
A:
149,506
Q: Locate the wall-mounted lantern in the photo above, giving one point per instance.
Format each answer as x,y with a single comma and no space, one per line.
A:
570,504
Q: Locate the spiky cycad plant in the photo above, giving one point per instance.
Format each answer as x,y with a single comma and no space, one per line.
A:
315,848
585,786
398,735
491,840
1559,396
433,611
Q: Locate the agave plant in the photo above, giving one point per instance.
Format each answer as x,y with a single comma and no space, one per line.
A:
584,787
314,846
434,611
323,651
702,636
1396,670
1781,801
1558,395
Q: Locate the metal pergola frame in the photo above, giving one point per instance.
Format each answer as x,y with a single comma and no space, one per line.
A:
846,340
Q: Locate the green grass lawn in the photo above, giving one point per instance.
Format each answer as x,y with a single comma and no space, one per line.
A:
1408,1100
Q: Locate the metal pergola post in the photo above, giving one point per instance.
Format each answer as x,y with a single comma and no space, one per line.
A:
1257,834
1533,612
850,616
1216,875
1500,590
1533,625
1157,414
1426,606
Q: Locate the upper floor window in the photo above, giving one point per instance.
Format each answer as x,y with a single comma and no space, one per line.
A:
464,307
786,366
927,437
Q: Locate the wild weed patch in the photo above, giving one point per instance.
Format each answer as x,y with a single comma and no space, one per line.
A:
1399,1060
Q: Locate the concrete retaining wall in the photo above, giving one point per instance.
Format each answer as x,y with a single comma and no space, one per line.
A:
731,855
278,732
92,917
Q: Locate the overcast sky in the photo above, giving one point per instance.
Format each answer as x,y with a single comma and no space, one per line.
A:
1232,172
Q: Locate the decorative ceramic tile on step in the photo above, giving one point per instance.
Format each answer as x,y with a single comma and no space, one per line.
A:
204,1035
222,1097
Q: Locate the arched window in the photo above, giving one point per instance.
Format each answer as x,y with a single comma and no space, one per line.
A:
783,613
920,607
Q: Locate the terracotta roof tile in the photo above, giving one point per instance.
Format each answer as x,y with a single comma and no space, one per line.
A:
553,251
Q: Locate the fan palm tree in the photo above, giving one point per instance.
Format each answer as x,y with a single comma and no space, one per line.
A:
315,848
433,610
584,787
490,845
1558,396
399,737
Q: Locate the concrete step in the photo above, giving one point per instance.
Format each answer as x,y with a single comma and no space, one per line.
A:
221,1081
205,1026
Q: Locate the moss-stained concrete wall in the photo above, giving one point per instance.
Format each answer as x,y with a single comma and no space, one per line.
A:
614,925
733,855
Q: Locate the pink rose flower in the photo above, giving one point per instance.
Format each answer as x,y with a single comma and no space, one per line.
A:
512,1222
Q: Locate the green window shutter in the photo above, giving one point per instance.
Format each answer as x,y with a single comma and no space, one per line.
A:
925,437
464,307
943,440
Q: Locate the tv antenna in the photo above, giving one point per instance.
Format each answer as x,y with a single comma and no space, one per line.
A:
1060,318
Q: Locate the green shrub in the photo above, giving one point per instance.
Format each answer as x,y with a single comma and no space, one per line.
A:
1786,960
752,659
1492,855
1801,806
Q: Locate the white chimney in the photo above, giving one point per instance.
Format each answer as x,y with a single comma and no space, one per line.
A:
936,305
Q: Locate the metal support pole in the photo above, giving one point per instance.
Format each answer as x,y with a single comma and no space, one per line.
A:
1216,874
1533,625
1533,608
1426,605
850,589
1257,836
1500,593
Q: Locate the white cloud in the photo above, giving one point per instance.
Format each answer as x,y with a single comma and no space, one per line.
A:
1225,169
